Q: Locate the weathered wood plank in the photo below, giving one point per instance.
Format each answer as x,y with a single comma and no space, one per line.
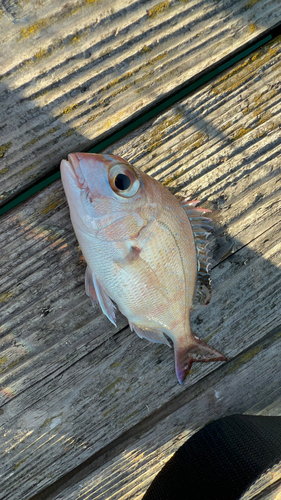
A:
44,220
229,390
69,380
80,416
267,487
230,125
273,492
71,73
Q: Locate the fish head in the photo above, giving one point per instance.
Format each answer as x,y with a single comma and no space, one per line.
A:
101,189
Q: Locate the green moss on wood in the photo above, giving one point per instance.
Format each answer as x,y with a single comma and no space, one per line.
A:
194,142
158,132
3,360
42,54
251,3
114,365
157,58
69,133
4,148
51,206
19,463
130,74
172,178
241,73
132,367
111,386
264,117
240,132
6,296
128,417
40,93
68,11
30,167
146,49
50,420
252,28
74,38
13,364
33,28
4,170
265,96
70,108
245,358
109,411
210,336
36,139
225,126
157,9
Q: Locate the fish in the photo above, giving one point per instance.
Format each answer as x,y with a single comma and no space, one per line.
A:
146,251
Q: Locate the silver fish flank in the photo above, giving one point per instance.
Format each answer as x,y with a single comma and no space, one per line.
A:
146,251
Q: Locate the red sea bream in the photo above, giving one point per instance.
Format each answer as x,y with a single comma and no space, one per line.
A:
145,251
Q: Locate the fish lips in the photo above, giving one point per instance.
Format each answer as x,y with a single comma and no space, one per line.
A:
74,183
74,164
91,171
68,173
77,174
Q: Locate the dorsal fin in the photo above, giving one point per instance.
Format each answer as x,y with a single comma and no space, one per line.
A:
201,231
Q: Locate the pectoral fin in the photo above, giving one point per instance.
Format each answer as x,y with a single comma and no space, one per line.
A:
98,296
196,351
153,336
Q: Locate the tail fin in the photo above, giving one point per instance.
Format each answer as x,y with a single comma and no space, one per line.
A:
196,351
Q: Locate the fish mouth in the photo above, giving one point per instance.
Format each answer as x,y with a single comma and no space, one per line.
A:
72,165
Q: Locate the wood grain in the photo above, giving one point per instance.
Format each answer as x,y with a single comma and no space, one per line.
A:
267,487
70,384
71,73
67,386
229,390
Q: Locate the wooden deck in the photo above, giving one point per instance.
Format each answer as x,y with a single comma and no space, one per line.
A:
89,411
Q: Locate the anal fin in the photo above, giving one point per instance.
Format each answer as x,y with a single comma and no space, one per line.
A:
90,287
151,335
98,296
197,351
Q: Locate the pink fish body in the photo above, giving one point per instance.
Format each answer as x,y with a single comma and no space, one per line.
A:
142,252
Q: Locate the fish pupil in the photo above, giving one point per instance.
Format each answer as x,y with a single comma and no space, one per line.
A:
122,182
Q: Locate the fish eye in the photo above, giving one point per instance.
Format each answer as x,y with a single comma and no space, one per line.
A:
122,182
